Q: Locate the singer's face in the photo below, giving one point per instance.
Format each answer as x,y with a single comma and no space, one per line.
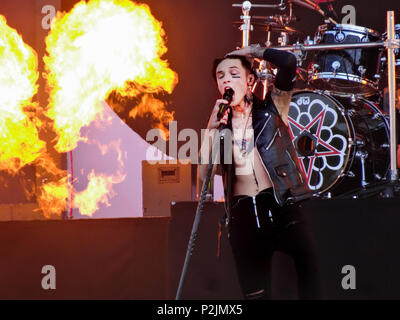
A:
231,74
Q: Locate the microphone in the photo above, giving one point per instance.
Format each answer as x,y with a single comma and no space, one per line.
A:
228,95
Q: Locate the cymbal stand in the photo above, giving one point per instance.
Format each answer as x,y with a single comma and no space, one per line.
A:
246,27
391,44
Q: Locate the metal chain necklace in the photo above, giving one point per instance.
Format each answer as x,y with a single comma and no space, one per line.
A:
244,141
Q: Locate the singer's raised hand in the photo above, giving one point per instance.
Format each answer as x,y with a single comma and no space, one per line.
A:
213,122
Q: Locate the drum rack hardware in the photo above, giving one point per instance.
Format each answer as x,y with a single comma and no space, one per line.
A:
246,27
248,4
390,43
316,47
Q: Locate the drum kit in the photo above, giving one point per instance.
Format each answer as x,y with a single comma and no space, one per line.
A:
343,132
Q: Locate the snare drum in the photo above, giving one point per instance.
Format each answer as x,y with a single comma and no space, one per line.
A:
342,145
350,71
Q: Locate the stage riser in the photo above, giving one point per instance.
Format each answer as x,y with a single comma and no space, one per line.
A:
93,259
361,233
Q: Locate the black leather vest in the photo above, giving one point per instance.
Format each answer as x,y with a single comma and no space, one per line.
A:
278,156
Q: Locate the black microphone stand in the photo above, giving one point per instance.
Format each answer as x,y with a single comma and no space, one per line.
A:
211,163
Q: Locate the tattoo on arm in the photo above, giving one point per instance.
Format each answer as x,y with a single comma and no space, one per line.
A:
282,99
276,92
282,94
256,52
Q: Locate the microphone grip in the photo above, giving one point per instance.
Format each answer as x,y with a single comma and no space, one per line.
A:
222,108
229,121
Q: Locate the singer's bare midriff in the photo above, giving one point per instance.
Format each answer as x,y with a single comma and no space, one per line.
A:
250,175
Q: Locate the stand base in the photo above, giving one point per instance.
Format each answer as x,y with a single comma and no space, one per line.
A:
387,189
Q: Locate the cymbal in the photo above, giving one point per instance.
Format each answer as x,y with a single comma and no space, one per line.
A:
276,18
273,27
278,28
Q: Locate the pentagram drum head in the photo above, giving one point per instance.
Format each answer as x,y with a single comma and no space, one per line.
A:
342,145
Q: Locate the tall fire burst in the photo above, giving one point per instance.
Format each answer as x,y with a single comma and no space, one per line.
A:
99,47
19,140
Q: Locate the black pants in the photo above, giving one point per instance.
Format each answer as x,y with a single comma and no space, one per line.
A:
255,234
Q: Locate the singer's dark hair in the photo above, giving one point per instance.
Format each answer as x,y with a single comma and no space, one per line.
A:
245,63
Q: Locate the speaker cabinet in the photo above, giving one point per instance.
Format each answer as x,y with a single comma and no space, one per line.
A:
164,183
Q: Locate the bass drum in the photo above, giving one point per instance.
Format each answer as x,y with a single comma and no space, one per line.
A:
342,144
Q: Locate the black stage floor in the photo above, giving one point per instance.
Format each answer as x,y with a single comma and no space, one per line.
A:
142,258
363,233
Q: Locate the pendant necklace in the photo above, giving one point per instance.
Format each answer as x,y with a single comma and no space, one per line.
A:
244,141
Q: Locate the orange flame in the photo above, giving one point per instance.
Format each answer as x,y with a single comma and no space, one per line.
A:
52,198
20,121
99,47
19,140
116,145
150,105
99,190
